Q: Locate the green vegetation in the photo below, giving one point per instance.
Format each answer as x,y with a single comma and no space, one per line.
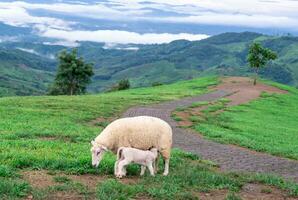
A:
30,126
123,84
258,57
68,186
53,133
268,124
22,73
73,74
232,196
224,54
11,186
190,175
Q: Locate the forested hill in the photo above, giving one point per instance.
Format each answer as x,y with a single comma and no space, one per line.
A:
26,68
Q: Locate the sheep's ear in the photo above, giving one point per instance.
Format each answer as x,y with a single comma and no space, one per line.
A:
93,143
104,148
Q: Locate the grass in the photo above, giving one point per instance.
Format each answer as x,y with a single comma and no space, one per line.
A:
53,133
68,187
11,186
268,124
191,176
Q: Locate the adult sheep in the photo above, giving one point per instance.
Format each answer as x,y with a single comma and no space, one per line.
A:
142,132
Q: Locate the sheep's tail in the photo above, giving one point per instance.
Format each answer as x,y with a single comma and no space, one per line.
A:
119,153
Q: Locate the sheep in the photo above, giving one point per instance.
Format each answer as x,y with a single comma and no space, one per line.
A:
127,155
142,132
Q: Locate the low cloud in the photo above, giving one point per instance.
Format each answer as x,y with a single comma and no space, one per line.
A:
16,15
119,37
32,51
253,13
280,14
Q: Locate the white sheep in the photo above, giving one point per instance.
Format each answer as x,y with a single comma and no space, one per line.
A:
127,155
142,132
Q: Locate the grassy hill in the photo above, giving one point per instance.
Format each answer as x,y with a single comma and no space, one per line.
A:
23,73
53,134
223,54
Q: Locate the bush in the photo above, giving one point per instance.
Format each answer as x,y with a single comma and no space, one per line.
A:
156,84
123,84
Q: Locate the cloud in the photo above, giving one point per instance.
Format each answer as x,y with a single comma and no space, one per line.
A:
12,14
281,14
32,51
8,39
253,13
119,37
255,21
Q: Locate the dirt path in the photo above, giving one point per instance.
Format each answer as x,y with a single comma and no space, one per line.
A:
230,158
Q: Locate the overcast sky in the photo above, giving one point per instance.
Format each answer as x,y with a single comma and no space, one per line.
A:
82,20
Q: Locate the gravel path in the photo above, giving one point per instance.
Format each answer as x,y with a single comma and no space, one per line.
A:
230,158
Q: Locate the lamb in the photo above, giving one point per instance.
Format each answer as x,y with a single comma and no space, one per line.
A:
142,132
127,155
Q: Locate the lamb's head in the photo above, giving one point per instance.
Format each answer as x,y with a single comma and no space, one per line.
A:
97,152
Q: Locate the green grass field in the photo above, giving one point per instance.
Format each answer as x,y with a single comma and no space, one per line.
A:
269,124
54,134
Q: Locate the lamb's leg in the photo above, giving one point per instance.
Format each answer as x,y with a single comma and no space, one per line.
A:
143,169
151,170
121,167
124,170
166,157
116,168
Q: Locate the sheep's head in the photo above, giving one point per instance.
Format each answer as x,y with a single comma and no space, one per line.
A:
97,152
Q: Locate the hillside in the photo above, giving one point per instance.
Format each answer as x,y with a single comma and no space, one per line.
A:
223,54
23,73
46,140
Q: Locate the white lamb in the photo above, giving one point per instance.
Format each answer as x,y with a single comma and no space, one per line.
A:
127,155
141,132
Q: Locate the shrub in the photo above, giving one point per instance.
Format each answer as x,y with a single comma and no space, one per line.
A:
123,84
156,84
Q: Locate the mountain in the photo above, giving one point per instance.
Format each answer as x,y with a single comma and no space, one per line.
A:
27,68
224,54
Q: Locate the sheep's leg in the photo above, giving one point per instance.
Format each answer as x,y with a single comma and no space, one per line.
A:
166,157
143,169
156,163
167,163
151,170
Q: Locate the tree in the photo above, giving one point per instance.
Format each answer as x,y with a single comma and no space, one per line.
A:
73,74
258,57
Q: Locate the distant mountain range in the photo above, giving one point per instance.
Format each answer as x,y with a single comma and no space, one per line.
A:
27,67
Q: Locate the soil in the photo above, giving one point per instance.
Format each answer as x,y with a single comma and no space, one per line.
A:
42,179
243,90
38,179
250,191
101,120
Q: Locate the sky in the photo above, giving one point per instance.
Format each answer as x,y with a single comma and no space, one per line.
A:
148,21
